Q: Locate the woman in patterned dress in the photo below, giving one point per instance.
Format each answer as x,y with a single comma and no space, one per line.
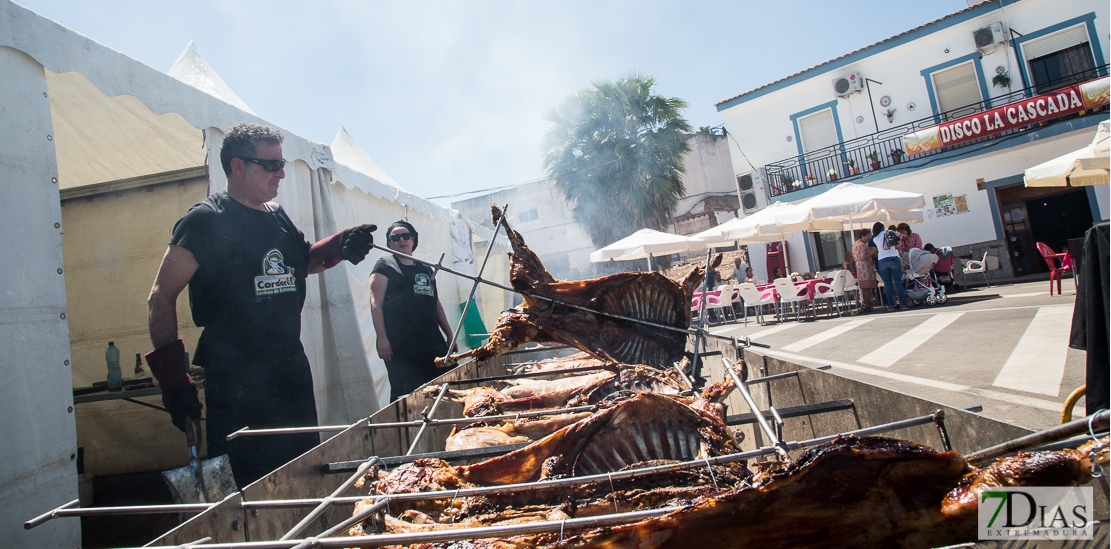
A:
865,268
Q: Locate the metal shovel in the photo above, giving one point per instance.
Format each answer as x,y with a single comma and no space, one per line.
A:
205,481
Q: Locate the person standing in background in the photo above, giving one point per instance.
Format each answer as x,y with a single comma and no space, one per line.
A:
408,317
890,267
865,269
246,266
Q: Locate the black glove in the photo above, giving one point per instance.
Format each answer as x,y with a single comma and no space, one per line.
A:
179,394
356,242
182,404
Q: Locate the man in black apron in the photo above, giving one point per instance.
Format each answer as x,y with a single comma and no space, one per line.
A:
245,264
408,316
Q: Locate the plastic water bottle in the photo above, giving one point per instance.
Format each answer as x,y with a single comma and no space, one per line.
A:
112,355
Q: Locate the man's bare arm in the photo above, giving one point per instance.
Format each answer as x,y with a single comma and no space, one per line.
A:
175,272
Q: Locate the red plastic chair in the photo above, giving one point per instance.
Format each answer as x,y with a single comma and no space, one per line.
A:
1051,258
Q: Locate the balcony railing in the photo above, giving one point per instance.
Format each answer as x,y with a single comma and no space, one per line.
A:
815,167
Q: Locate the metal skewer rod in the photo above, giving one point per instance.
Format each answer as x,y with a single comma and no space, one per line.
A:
1099,422
352,521
425,419
550,526
687,331
247,431
305,522
474,287
67,510
755,409
696,367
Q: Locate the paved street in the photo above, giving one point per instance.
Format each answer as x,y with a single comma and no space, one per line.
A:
1004,347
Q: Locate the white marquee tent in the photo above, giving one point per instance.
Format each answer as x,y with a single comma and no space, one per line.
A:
76,117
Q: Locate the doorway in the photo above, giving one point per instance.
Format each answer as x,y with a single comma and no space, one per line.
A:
1051,215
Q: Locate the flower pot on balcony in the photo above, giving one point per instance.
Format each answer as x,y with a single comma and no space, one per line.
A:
854,171
876,165
896,159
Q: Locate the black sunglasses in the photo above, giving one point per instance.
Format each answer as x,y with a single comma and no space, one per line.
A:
400,236
268,165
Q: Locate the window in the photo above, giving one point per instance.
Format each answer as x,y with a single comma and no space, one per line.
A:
1062,68
530,215
818,130
831,247
957,88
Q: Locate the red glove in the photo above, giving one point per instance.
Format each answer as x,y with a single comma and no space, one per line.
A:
179,394
351,244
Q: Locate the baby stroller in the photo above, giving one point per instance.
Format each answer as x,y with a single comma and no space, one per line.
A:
943,269
919,281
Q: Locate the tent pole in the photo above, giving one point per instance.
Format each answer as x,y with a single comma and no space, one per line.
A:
649,262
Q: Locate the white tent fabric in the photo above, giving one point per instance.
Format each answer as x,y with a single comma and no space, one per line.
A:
346,151
646,242
140,121
192,69
1086,166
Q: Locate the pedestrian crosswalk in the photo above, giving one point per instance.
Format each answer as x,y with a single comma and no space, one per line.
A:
827,335
987,352
902,346
1038,361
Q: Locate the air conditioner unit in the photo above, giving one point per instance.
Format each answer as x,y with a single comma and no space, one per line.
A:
746,190
849,84
989,36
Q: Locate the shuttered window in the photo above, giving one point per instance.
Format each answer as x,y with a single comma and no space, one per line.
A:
1067,38
956,88
817,130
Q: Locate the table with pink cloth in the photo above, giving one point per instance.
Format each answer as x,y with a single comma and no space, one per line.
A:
810,286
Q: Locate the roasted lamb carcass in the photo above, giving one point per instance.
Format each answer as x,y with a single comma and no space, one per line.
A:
628,381
645,296
642,430
853,492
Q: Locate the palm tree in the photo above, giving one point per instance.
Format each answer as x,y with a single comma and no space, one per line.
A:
615,152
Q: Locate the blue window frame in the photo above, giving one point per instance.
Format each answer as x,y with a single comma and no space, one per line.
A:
1089,20
832,105
928,73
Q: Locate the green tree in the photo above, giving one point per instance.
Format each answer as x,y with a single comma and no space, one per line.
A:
615,151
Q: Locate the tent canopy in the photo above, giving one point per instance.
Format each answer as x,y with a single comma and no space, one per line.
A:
645,243
1086,166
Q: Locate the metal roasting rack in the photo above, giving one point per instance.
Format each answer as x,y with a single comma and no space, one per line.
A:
770,423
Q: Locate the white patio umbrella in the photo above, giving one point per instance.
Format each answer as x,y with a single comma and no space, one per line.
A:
714,236
1087,166
848,202
763,226
644,244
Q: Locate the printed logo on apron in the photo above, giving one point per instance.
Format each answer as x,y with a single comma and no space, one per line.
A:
423,285
276,277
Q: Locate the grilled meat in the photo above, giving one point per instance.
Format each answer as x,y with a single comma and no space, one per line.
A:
647,296
853,492
642,430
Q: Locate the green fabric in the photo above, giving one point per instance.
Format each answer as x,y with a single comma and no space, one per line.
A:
473,326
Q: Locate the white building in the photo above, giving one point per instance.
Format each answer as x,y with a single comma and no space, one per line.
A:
543,217
711,191
800,132
538,211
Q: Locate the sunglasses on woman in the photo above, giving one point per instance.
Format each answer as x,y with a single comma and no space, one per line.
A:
400,236
267,164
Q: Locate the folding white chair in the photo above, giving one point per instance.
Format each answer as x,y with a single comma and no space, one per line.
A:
756,299
852,287
972,266
789,294
834,290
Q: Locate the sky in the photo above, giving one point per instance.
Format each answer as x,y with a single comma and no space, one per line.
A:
450,97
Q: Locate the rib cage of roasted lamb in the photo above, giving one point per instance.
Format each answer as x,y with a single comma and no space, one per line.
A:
650,297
